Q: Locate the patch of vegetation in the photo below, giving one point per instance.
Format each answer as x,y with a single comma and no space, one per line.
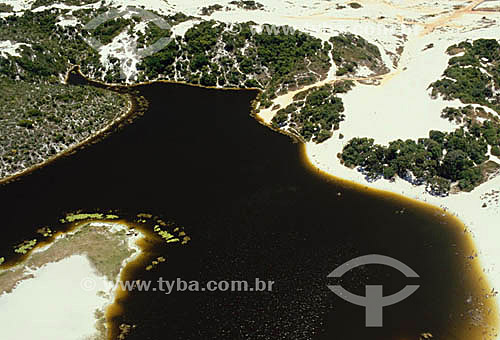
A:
41,119
49,49
468,115
26,246
247,4
155,263
45,231
474,77
176,234
428,46
209,10
350,51
315,113
439,161
495,151
354,5
70,218
108,30
6,8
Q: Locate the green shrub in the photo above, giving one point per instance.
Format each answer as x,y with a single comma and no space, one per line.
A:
495,151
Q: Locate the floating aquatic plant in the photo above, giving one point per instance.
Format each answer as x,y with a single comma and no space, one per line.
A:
80,217
143,215
26,246
155,263
45,232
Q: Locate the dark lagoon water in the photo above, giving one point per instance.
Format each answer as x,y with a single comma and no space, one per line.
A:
254,209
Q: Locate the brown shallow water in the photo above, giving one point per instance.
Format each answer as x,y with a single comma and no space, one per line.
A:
254,208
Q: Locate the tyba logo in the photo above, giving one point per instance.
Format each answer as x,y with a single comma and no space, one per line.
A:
373,301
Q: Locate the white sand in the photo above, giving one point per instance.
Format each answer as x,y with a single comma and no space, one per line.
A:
68,21
19,5
58,304
182,28
490,4
401,107
8,47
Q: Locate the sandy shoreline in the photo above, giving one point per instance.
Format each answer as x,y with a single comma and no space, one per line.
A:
401,107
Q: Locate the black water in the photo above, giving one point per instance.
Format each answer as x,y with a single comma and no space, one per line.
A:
253,209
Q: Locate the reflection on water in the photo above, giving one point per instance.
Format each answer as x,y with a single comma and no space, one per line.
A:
254,209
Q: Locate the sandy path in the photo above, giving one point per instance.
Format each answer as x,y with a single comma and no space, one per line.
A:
453,16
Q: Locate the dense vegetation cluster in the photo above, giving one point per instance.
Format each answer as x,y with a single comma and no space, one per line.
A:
5,8
439,160
110,29
151,35
314,113
355,5
209,10
350,51
469,115
247,4
211,54
38,121
49,49
474,76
